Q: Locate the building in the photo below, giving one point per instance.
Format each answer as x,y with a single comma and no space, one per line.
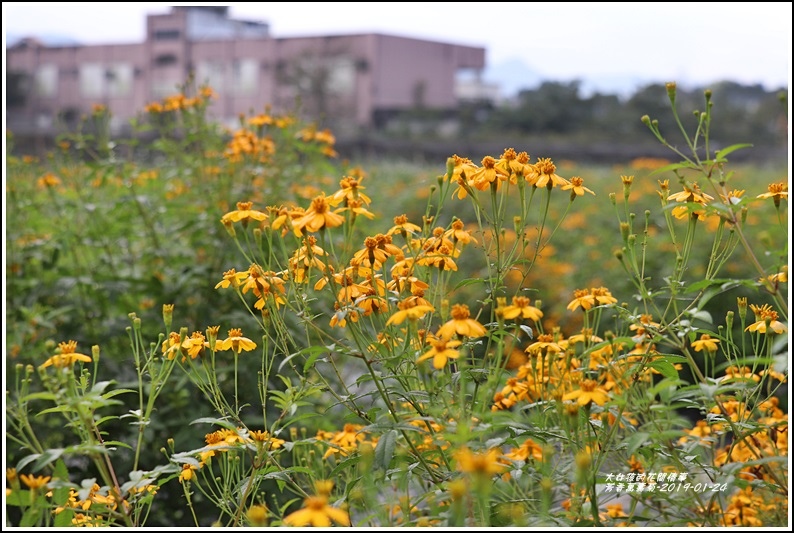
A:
346,81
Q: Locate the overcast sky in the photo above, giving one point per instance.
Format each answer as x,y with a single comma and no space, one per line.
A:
688,42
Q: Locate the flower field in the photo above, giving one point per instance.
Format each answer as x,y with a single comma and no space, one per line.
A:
211,326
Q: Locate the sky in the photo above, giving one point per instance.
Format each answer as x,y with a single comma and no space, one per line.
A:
692,43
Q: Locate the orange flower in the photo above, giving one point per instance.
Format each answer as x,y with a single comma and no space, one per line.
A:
441,350
522,309
318,216
317,513
461,324
589,392
235,342
67,358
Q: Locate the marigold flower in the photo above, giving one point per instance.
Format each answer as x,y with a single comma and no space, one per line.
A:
232,278
461,324
317,513
705,343
521,308
343,442
577,188
776,191
187,472
244,214
264,438
235,342
34,482
690,194
318,216
487,175
67,356
733,372
48,181
581,298
529,449
402,226
765,317
459,235
546,174
441,350
484,464
350,191
443,259
195,344
543,346
257,515
408,309
589,391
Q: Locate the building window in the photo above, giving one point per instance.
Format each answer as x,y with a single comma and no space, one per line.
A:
166,35
92,80
164,60
47,80
211,73
246,76
118,79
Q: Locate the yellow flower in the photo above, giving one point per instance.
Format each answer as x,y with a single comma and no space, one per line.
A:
317,217
705,343
408,309
264,438
257,515
235,342
350,191
589,392
543,345
402,226
528,449
344,442
489,174
441,350
317,513
581,298
232,278
461,324
244,214
690,194
577,188
195,344
34,482
776,191
521,308
546,176
763,315
67,358
187,472
48,181
485,464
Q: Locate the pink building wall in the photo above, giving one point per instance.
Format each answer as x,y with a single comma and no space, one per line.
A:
346,79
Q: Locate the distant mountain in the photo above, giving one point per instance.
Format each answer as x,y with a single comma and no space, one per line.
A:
514,75
48,39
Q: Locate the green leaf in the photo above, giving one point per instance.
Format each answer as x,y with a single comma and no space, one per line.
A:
38,396
665,368
46,458
219,421
720,154
384,451
18,498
